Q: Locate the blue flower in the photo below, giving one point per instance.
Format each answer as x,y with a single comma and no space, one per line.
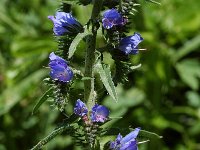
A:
99,113
129,44
59,69
112,18
80,109
65,23
127,143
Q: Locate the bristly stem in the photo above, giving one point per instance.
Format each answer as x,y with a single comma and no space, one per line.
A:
120,5
89,93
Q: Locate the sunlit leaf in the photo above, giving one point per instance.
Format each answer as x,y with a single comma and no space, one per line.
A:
76,41
189,71
105,75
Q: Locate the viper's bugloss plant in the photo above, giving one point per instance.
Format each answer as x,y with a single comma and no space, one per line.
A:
85,123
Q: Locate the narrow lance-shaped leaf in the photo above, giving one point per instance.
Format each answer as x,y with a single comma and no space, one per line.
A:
142,134
71,2
105,75
76,41
135,67
152,1
149,135
44,97
66,126
51,136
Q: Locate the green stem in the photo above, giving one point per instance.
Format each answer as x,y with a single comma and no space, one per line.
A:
120,5
89,93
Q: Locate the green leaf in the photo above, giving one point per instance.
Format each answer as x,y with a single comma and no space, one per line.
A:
20,90
193,98
148,135
189,72
51,136
71,2
187,48
105,75
152,1
76,41
115,131
143,134
135,67
86,78
73,117
44,97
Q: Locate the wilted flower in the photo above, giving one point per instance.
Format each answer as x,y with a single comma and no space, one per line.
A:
65,23
99,113
127,143
129,44
112,18
80,109
59,68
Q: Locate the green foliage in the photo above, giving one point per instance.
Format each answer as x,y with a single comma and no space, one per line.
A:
44,97
189,72
50,137
105,75
165,101
76,41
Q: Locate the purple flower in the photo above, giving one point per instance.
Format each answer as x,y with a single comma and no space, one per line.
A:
59,69
127,143
116,143
129,44
112,18
65,23
80,109
99,113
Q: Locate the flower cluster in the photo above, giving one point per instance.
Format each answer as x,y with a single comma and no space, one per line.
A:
128,45
65,23
99,113
59,69
125,143
112,18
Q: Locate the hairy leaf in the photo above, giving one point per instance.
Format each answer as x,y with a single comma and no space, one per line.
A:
152,1
148,135
51,136
76,41
105,75
44,97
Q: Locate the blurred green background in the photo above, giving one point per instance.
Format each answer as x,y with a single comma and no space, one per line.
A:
163,96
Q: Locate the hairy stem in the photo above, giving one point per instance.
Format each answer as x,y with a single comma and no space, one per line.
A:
89,93
120,5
